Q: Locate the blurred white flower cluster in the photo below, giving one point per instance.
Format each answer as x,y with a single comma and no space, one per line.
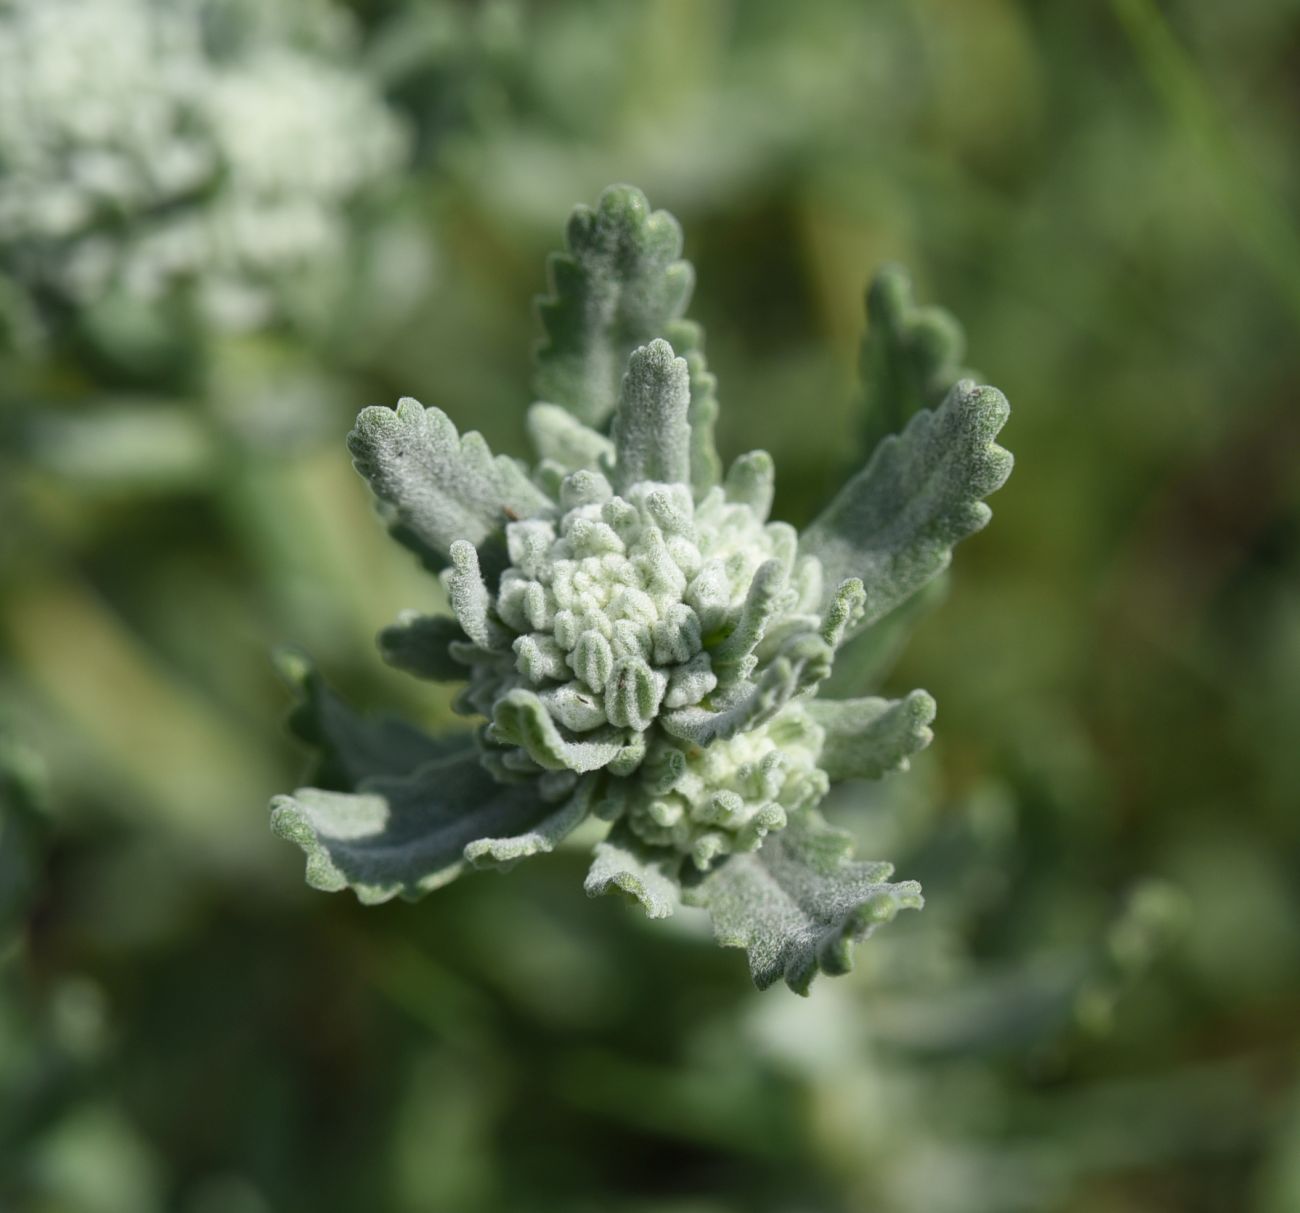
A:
147,145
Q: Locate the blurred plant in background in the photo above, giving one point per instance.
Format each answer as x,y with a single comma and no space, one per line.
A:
179,348
210,144
1101,1009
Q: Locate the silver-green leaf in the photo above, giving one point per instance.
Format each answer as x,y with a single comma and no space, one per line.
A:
419,644
350,747
706,467
436,485
895,523
621,284
798,905
562,439
868,738
405,837
910,355
652,432
520,718
624,864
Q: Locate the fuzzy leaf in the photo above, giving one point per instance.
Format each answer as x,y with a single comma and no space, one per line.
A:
522,719
867,738
762,601
895,523
801,659
652,433
706,467
621,284
350,747
419,644
409,836
438,486
799,903
910,356
843,611
468,593
624,864
751,481
865,661
504,853
804,661
561,438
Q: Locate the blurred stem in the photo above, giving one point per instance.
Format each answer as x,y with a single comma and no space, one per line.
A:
183,762
1260,222
722,1105
320,549
445,1004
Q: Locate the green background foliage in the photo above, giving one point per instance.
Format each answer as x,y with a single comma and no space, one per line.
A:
1099,1007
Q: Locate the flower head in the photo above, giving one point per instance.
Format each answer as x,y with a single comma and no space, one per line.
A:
641,644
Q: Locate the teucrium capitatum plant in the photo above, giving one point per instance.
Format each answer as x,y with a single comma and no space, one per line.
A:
642,645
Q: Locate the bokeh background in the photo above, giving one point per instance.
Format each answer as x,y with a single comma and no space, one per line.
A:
225,226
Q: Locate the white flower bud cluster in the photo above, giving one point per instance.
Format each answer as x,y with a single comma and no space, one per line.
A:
611,606
626,607
137,154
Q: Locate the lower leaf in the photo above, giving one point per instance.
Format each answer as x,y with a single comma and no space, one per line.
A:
411,835
799,903
624,864
350,747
